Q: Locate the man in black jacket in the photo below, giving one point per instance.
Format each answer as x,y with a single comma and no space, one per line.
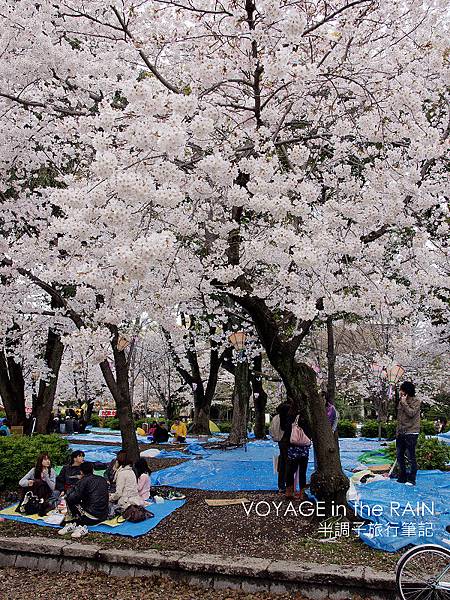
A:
87,502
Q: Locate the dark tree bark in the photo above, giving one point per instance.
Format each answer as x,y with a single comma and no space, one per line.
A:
331,361
241,396
328,483
119,385
120,389
259,398
12,389
44,399
203,396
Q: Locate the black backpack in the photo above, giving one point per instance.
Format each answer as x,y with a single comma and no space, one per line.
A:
30,505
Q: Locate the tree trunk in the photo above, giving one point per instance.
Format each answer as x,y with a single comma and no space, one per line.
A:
259,399
328,483
43,401
202,408
202,396
120,390
12,389
331,361
241,396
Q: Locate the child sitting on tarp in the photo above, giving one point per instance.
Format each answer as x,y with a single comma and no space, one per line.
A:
143,473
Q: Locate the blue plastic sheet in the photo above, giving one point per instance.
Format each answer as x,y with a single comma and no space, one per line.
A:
96,437
445,437
408,514
160,511
93,453
247,468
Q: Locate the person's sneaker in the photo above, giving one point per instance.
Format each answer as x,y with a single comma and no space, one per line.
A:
409,483
80,532
69,528
175,496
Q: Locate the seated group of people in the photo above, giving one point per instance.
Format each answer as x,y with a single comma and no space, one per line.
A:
89,498
160,433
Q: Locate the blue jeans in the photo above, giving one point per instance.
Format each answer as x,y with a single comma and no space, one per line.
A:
406,444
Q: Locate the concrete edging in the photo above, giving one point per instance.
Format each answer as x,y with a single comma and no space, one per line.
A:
248,574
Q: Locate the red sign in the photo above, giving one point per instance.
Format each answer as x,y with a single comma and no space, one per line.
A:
107,413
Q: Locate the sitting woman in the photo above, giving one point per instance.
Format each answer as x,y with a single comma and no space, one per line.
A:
126,492
40,479
143,472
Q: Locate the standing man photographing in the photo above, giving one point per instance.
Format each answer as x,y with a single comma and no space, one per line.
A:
408,428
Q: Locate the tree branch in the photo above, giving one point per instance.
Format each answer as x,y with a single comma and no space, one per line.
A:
334,14
151,67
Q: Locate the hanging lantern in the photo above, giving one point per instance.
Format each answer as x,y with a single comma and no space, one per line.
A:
237,339
395,374
122,343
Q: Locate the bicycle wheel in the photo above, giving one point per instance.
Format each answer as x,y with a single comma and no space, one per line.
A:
423,573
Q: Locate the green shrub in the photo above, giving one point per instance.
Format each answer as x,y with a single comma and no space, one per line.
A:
346,428
369,429
95,420
112,423
225,426
18,454
427,427
430,453
389,430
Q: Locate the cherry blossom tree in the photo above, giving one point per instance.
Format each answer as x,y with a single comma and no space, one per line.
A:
287,154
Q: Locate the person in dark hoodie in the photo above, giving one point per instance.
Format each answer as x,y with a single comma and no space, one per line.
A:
287,416
87,502
161,434
70,474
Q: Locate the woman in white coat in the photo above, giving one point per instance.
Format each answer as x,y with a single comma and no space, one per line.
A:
126,492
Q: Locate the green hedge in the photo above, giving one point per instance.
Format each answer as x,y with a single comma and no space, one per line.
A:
370,429
346,428
95,420
388,430
431,453
225,426
427,427
111,423
18,454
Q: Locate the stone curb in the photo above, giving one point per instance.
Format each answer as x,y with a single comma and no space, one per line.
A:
249,574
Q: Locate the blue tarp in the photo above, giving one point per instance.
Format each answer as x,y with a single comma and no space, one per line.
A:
248,468
94,437
445,437
105,454
93,453
160,511
405,511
